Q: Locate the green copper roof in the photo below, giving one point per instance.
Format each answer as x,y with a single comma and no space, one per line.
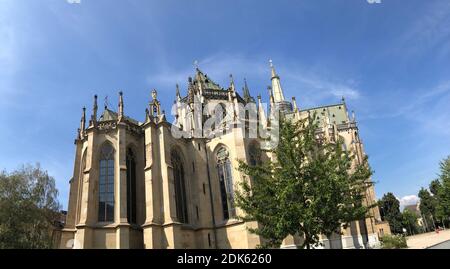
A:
205,81
210,89
109,115
336,113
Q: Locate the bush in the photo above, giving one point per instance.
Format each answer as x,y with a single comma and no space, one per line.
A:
393,242
28,208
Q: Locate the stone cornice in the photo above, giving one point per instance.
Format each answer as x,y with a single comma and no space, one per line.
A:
111,125
193,227
106,225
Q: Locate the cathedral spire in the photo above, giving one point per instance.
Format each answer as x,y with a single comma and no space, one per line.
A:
271,98
83,120
345,108
261,113
190,91
147,115
94,111
82,128
294,104
246,92
232,87
276,85
178,95
121,106
272,67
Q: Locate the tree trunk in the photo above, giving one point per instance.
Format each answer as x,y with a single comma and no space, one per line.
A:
307,241
425,222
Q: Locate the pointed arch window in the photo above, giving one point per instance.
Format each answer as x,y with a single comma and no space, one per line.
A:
342,140
131,186
180,188
106,184
220,114
80,185
254,153
226,183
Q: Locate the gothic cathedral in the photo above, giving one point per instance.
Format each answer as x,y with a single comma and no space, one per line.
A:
161,185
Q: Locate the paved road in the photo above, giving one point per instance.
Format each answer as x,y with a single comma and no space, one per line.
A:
444,245
427,240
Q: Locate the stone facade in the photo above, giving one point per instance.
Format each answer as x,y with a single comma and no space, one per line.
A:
137,185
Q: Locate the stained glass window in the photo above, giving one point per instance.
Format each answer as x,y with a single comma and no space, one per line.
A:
106,184
180,188
226,183
131,187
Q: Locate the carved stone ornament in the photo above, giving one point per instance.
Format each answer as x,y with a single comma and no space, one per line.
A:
107,126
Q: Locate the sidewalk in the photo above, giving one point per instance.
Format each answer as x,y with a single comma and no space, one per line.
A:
422,241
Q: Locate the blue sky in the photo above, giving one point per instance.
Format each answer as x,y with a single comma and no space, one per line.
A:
390,61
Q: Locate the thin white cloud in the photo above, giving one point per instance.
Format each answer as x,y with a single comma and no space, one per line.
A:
10,56
415,102
6,46
429,31
431,109
8,38
323,86
312,86
428,107
217,66
408,200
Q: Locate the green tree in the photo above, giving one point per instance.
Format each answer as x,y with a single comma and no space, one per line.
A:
390,207
409,221
427,208
312,188
443,193
435,185
28,208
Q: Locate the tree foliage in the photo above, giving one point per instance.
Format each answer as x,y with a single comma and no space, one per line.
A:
443,191
427,207
313,187
435,185
28,208
409,221
390,207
